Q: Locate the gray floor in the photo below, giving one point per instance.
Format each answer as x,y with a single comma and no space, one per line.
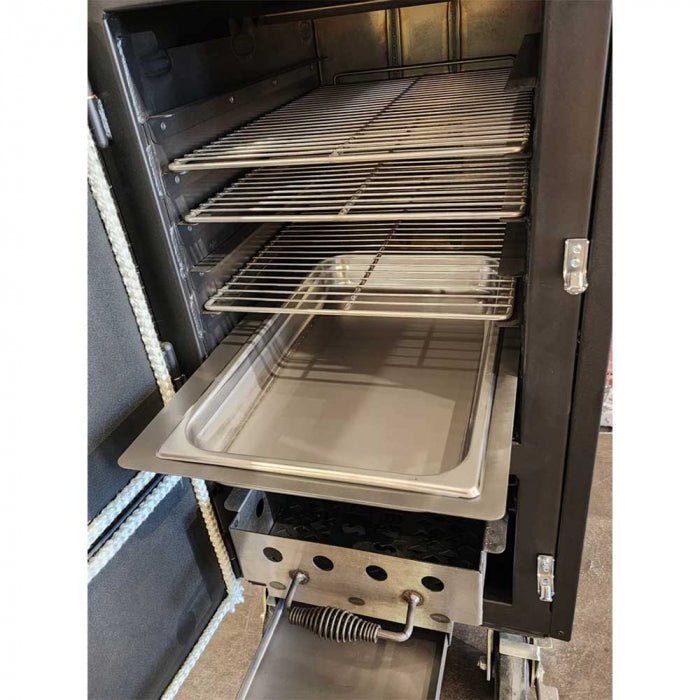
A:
580,669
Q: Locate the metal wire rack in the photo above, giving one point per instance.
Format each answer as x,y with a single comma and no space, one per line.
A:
449,189
454,114
406,269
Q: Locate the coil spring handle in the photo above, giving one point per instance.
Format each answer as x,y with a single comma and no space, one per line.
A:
342,626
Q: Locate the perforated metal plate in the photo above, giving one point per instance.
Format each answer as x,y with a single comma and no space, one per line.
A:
269,560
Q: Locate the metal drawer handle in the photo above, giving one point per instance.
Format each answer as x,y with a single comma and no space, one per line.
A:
339,625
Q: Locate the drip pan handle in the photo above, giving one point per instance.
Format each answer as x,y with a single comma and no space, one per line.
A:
342,626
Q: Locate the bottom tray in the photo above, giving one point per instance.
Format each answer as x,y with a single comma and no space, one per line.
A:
144,453
399,403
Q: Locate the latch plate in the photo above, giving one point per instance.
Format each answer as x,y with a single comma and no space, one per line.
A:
545,577
575,265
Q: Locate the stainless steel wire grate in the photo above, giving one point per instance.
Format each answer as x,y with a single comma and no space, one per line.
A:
455,114
407,269
452,189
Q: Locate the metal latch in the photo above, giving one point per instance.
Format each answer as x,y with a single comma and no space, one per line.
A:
575,265
545,577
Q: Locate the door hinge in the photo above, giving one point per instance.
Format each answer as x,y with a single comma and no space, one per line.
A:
176,375
97,119
545,577
575,265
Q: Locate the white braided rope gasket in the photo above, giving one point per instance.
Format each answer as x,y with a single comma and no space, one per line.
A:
102,193
107,551
205,506
113,509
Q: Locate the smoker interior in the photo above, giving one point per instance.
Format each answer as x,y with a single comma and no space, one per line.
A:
199,73
208,75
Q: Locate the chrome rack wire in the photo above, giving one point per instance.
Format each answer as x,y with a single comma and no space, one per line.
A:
452,189
446,115
406,269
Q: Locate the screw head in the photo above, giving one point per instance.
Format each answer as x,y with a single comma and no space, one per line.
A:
577,248
163,126
177,179
575,263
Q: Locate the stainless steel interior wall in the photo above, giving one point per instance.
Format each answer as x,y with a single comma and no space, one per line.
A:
424,33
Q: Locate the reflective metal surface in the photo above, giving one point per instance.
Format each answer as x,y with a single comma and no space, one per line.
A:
489,505
451,189
291,663
391,403
431,116
411,270
362,582
575,270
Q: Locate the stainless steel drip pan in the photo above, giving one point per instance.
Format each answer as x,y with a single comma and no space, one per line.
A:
395,403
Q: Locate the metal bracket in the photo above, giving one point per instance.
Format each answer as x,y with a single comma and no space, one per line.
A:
496,536
575,265
523,648
97,119
529,648
545,577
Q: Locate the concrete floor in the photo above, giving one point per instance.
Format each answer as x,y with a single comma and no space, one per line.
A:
580,669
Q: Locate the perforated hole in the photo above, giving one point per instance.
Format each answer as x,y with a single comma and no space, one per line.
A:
433,584
355,600
376,572
437,617
273,554
323,563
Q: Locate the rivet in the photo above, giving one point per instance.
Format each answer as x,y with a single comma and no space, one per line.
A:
177,179
575,263
232,99
163,126
577,248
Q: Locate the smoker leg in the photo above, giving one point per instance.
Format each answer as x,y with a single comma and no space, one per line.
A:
511,678
515,664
